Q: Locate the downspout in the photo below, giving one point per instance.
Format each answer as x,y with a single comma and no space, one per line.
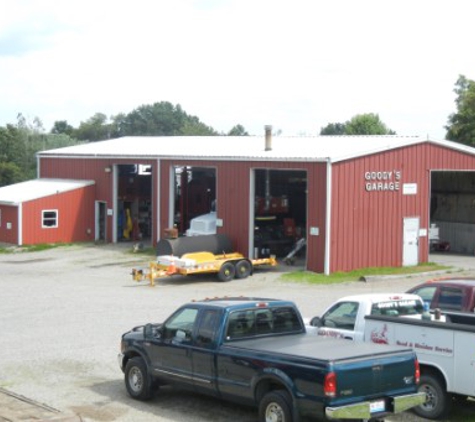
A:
326,264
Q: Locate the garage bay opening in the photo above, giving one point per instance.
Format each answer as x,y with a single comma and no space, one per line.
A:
280,214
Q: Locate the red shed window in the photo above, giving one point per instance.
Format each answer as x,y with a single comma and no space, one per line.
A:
49,219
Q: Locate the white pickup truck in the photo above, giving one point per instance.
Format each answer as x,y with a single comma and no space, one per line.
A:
345,318
444,345
445,349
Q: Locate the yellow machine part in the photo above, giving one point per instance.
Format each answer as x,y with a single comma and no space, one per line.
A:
201,257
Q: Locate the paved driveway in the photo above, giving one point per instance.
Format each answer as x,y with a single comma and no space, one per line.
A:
63,312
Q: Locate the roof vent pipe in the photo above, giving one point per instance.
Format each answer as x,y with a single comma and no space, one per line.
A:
268,129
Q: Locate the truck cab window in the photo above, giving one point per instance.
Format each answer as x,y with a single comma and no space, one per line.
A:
342,315
240,324
397,307
255,322
426,293
207,328
183,321
451,298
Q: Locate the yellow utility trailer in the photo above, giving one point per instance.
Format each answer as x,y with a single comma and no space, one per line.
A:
226,266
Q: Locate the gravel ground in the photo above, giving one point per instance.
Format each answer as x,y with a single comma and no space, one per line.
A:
63,312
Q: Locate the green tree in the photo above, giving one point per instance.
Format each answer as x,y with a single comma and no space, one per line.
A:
159,119
62,127
361,124
367,124
9,173
193,127
461,124
19,145
96,128
333,129
238,130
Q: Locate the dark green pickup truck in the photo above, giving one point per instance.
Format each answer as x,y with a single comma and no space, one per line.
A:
256,352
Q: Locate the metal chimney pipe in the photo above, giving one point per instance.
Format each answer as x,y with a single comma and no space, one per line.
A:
268,129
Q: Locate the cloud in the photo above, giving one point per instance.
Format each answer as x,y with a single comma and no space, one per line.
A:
297,65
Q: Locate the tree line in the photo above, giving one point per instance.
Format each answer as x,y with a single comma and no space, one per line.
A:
20,142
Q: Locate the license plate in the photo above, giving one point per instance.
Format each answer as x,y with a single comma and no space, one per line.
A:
377,406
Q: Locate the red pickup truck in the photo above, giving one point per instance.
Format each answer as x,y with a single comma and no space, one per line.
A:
448,294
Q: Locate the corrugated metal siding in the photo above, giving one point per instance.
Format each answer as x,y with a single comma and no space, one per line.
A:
367,227
316,216
9,215
94,169
233,181
75,220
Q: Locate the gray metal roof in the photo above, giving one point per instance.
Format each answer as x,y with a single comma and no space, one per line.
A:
38,188
245,148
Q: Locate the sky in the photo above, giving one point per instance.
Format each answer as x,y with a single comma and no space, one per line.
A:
296,65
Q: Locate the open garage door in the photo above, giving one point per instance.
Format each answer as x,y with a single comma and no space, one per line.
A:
134,202
194,201
452,212
280,214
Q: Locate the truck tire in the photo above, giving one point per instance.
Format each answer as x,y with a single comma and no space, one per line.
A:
275,406
137,379
243,269
438,401
226,272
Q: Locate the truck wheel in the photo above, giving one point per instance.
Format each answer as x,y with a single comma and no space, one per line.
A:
275,406
243,269
226,272
438,401
137,380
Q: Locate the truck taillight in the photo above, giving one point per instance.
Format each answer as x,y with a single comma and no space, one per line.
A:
417,373
329,387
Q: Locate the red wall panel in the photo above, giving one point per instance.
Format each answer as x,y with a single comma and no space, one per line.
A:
94,169
367,226
9,214
233,181
75,220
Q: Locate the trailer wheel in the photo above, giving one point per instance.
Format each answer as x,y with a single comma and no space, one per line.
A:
276,406
243,269
226,272
438,401
137,380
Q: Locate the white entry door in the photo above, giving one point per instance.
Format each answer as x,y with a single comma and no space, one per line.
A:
410,253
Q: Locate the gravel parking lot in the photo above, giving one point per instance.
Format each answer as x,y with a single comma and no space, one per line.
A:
63,311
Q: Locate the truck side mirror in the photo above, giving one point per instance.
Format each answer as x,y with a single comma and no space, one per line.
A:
150,331
316,322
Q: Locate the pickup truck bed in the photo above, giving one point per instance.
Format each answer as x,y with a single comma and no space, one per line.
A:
257,352
303,345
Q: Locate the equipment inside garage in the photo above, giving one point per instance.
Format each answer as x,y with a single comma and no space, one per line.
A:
195,194
280,213
452,212
134,202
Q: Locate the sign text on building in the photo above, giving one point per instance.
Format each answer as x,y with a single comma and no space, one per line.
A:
382,180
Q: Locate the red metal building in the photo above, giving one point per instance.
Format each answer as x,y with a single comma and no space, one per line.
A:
358,201
47,211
